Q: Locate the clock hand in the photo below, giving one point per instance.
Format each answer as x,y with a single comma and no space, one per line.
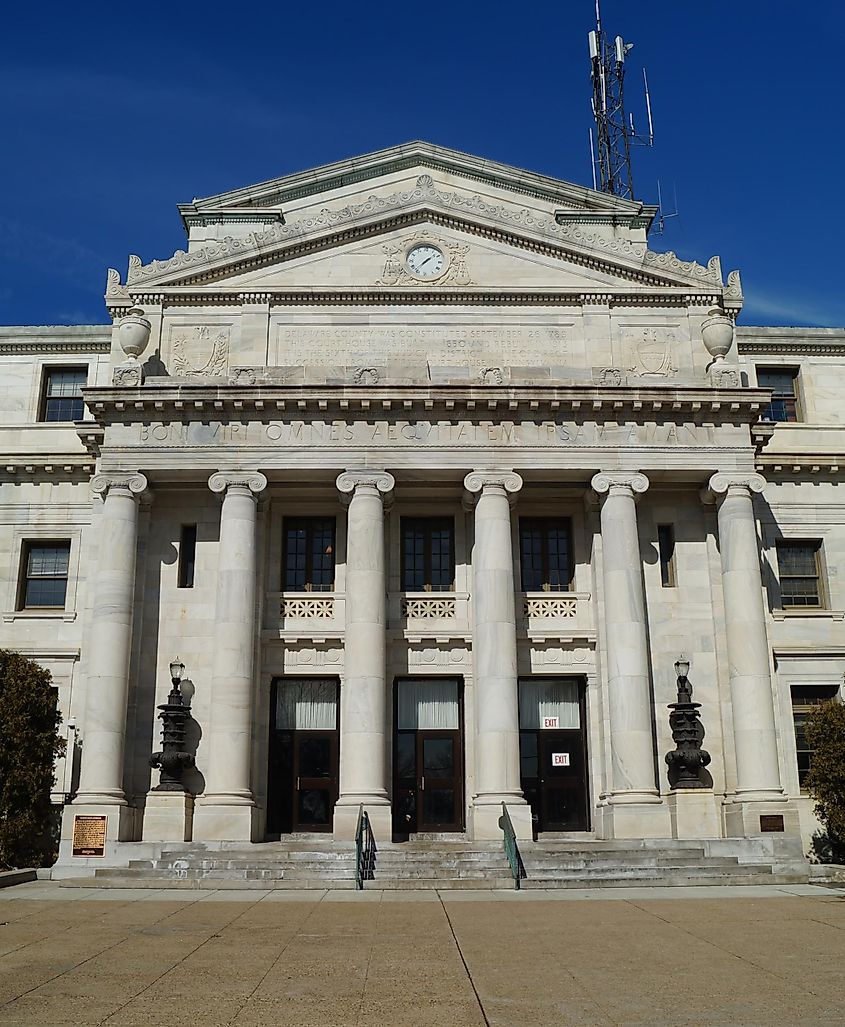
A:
427,259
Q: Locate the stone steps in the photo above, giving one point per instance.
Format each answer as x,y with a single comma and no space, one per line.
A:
310,864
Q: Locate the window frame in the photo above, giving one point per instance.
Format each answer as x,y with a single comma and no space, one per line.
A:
47,370
821,590
666,552
547,587
428,522
186,570
24,577
794,398
812,695
309,522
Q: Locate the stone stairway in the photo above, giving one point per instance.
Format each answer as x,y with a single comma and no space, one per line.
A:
314,863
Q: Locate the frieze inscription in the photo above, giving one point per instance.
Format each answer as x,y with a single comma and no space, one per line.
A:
425,434
460,346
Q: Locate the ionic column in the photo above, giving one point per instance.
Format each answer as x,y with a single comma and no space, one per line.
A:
364,706
109,644
225,810
626,654
755,738
497,777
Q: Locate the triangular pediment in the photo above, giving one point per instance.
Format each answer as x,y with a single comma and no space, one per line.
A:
466,259
565,239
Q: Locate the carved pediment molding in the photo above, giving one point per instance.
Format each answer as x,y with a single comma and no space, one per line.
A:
469,213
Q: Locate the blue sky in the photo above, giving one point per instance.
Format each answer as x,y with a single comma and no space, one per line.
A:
113,114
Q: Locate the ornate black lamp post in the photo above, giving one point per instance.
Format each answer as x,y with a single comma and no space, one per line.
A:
173,760
688,759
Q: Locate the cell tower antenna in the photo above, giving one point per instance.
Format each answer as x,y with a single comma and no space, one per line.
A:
615,133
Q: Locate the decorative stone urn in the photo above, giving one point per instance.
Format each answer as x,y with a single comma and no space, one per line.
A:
133,333
717,333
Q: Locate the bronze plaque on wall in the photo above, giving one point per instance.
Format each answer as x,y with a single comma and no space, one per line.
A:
771,822
89,835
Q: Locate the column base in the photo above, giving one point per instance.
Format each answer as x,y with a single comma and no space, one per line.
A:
484,821
745,818
168,817
626,817
345,822
224,822
693,813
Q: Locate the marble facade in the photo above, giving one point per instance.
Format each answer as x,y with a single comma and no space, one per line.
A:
290,362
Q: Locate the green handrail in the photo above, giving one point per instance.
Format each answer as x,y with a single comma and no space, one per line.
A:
365,850
511,848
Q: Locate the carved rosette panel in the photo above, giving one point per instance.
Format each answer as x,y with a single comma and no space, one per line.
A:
551,608
429,609
199,351
309,607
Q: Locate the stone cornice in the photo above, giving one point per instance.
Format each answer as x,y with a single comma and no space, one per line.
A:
809,343
389,161
425,202
49,339
185,402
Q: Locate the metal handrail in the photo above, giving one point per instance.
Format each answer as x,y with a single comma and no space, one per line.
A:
365,850
511,848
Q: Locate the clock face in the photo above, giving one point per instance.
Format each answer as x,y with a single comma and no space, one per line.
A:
425,261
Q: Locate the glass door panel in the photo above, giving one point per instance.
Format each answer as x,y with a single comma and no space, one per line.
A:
428,757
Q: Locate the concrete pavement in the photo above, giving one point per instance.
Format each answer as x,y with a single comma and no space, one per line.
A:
761,955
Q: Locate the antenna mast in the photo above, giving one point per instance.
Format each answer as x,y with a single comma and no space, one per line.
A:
615,133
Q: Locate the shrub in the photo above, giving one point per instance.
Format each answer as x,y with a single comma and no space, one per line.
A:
29,745
825,733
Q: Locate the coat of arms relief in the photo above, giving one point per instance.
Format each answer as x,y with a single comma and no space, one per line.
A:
650,352
199,351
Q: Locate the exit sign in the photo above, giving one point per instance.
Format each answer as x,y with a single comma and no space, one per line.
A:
551,722
560,759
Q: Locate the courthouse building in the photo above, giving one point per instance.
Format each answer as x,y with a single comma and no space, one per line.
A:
428,470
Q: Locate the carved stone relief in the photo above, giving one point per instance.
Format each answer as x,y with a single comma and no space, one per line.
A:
394,271
650,352
199,350
725,377
608,376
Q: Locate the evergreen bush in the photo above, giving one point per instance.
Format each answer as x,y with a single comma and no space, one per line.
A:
29,746
825,733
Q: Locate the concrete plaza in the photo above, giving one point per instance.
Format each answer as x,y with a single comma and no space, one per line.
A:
762,955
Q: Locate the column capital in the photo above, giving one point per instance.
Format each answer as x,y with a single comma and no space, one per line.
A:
131,483
722,482
605,482
350,480
252,481
478,481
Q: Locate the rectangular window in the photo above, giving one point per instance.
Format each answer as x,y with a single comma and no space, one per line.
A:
62,396
783,381
799,571
308,554
187,555
545,550
666,547
804,698
428,554
44,579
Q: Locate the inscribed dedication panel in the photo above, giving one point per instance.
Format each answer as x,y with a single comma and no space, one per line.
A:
444,345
